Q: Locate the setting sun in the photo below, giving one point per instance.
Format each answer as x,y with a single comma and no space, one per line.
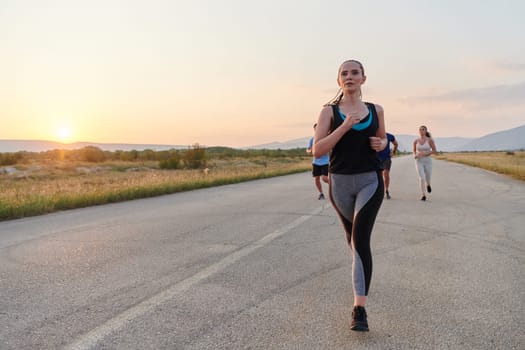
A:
63,134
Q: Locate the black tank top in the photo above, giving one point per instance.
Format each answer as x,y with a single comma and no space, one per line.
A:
353,154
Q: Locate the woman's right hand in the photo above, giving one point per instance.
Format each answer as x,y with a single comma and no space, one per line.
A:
350,121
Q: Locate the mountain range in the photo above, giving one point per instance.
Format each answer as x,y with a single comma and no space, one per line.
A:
41,146
506,140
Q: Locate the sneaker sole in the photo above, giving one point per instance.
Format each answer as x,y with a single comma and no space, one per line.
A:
359,328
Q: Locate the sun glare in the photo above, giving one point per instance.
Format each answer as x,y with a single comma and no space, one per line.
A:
63,134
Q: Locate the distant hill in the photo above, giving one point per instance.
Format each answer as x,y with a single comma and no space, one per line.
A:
295,143
41,146
506,140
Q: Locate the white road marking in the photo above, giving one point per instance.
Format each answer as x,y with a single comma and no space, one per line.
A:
90,339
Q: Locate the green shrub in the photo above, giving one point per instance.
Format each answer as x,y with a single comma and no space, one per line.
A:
173,161
92,154
10,158
195,157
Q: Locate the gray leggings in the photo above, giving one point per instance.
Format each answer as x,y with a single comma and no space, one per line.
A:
424,171
357,199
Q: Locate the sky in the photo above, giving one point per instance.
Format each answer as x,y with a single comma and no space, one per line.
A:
240,72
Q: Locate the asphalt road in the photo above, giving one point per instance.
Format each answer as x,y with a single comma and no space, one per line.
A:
264,265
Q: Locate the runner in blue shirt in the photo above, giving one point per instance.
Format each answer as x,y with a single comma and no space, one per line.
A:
319,168
386,161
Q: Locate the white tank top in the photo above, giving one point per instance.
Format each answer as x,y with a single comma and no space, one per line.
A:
423,147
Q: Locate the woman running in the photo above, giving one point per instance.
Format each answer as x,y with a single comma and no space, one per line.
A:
423,148
354,131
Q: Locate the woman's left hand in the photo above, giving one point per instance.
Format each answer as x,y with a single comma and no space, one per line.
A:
377,143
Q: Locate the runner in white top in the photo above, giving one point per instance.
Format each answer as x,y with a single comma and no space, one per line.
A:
424,147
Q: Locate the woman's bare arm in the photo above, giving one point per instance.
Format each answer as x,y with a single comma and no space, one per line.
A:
379,142
324,140
432,146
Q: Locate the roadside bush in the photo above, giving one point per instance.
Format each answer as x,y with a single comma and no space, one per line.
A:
129,156
147,154
10,158
173,161
195,157
92,154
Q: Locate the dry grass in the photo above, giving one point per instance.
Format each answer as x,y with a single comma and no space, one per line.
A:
508,163
33,189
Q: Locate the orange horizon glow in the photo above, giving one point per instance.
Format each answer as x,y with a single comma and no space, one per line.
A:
180,73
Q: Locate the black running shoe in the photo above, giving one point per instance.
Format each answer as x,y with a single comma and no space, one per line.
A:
321,196
359,322
388,195
423,198
429,189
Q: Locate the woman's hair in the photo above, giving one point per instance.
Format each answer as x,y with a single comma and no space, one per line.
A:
427,134
337,98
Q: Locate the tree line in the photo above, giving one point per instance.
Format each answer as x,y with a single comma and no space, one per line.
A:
195,157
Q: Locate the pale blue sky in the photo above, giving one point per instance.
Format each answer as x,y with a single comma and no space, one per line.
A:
239,73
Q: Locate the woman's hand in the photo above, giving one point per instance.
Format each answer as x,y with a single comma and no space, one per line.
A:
350,121
377,143
420,154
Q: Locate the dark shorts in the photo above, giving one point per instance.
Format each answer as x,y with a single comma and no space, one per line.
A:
318,170
386,164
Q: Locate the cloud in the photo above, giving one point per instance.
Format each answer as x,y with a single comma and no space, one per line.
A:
495,96
494,66
509,66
